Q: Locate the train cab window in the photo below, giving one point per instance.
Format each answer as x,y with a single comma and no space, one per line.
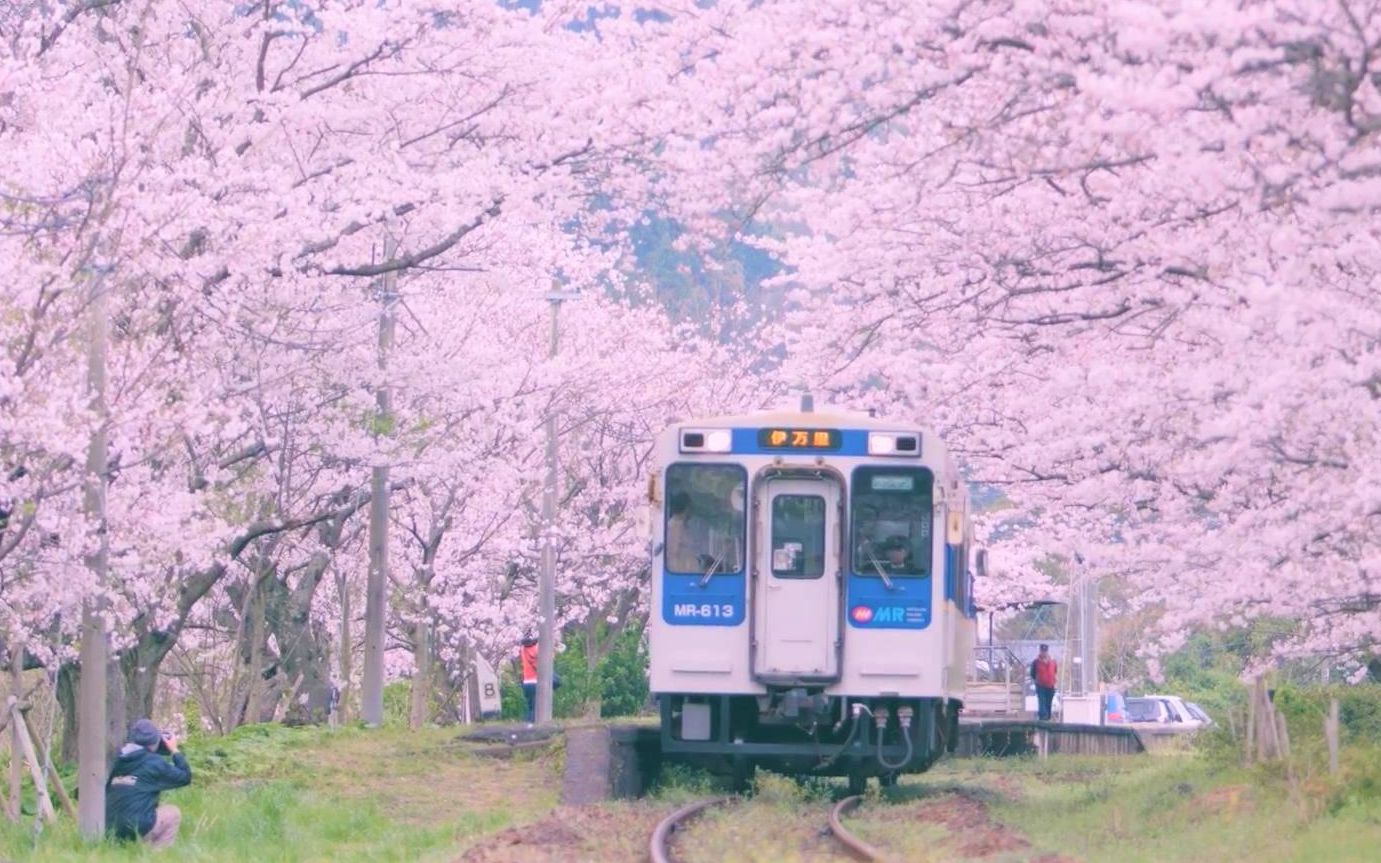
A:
705,518
963,580
892,515
798,536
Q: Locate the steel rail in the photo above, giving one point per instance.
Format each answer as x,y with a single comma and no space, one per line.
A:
860,849
657,847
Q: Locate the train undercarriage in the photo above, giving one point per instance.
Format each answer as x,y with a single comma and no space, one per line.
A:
805,732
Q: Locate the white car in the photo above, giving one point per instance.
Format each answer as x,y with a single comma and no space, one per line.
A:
1167,713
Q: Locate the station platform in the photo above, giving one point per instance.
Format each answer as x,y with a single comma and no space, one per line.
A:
1021,736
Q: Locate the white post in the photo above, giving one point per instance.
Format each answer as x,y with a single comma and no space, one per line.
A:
375,597
546,587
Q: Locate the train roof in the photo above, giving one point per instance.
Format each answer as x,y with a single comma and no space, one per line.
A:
827,416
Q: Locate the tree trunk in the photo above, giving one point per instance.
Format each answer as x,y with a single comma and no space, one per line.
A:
16,774
139,665
93,754
116,711
303,643
422,675
254,627
347,649
593,654
248,635
376,586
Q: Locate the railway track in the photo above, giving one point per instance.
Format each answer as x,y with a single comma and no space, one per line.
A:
857,847
659,846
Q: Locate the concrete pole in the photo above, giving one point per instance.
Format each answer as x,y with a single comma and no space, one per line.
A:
91,687
546,587
1090,637
375,597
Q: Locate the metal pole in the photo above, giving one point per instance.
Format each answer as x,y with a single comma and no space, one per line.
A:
91,688
1090,634
375,598
546,588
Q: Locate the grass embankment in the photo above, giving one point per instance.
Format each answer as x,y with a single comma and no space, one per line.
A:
1185,806
1170,807
276,794
268,793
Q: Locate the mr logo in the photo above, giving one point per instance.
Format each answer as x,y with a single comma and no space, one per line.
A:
863,614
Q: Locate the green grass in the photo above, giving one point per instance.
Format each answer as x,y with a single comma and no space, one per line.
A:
1168,808
1179,806
268,793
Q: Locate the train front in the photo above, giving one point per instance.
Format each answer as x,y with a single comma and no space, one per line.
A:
811,602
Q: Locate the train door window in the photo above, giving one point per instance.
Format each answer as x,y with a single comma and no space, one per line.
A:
966,575
798,536
892,517
705,518
961,577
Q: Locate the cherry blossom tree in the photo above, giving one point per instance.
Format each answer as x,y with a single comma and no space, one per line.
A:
1117,253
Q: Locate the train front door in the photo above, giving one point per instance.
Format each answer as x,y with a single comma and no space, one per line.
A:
796,609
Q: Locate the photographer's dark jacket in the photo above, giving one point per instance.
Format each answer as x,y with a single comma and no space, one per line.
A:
131,792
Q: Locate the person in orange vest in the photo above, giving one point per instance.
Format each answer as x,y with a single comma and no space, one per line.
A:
527,664
1043,671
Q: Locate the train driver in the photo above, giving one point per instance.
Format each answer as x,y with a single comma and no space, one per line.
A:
897,555
687,534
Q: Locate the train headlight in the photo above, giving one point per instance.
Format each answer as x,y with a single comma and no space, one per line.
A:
706,440
894,443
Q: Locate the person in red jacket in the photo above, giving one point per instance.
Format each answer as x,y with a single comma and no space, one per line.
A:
527,665
1043,672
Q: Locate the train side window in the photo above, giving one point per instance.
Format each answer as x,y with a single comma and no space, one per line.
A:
962,585
892,517
705,518
798,536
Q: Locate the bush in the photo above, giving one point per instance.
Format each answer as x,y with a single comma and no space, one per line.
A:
618,681
1359,710
623,674
397,703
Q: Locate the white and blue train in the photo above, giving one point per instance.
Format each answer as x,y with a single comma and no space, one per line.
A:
812,607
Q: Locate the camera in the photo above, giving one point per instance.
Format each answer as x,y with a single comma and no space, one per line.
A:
163,744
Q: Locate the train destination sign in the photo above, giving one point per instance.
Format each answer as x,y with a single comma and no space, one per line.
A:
793,438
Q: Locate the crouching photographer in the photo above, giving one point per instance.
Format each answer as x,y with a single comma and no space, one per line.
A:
147,765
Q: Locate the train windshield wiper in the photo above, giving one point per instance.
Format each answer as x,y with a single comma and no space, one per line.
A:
709,573
877,565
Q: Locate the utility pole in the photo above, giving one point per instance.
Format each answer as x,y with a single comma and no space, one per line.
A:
91,694
1082,630
375,597
1089,638
546,588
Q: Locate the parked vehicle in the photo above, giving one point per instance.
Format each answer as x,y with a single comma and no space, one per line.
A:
1182,714
1199,713
1166,713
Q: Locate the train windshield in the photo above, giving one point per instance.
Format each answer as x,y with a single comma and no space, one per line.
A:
705,518
892,515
